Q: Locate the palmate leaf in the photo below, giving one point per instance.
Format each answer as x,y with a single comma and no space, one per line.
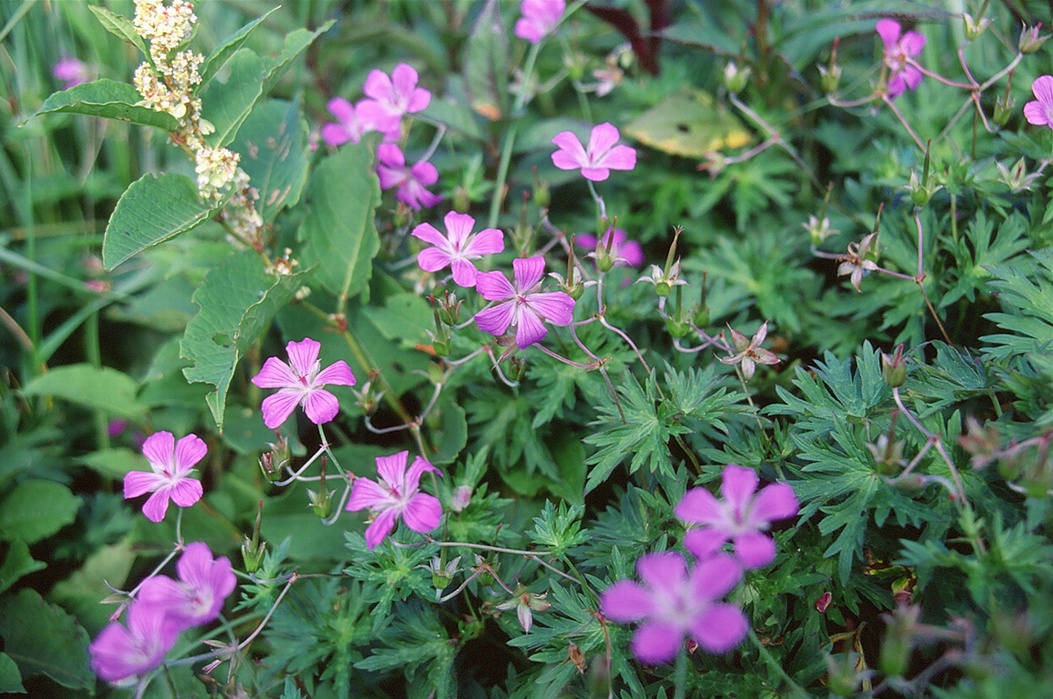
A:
238,301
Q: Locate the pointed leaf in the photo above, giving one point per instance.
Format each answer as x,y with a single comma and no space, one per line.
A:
109,99
43,639
101,388
152,210
486,63
119,26
229,47
339,234
238,300
17,564
273,147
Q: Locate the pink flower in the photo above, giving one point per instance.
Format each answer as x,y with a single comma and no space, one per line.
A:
171,463
71,72
397,495
599,158
349,126
1040,111
740,518
198,596
675,602
623,251
458,247
522,305
301,383
899,49
391,98
120,652
410,182
539,17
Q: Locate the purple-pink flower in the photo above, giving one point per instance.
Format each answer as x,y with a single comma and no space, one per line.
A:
390,98
622,250
596,161
350,124
741,517
71,72
538,18
522,306
301,383
458,247
899,49
397,494
197,597
1040,111
171,464
674,602
120,652
410,182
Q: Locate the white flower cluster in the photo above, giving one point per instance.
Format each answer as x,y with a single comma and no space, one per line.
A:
167,85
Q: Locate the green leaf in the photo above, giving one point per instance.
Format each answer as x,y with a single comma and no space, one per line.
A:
339,234
690,124
114,463
273,147
227,105
101,388
454,432
43,639
238,300
229,47
456,117
152,210
10,677
35,510
17,564
119,26
486,63
109,99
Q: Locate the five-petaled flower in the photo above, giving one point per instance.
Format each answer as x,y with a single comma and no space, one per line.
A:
458,247
596,161
171,464
741,517
71,72
749,353
392,97
1040,110
197,597
120,652
857,262
900,48
301,383
674,602
538,18
350,124
410,182
397,494
521,305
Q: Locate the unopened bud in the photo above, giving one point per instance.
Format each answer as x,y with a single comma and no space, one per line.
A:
461,199
829,78
735,78
921,192
1030,40
899,634
974,28
575,656
677,328
841,673
541,194
462,497
253,548
1003,109
894,368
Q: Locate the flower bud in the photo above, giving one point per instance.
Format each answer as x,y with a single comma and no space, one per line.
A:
829,77
899,635
894,368
841,673
818,229
461,198
921,192
677,328
974,28
576,657
276,459
253,549
542,196
462,497
735,78
1030,40
1003,109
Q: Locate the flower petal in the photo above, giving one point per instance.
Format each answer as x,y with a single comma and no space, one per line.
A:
626,601
335,134
912,43
596,174
555,307
488,241
657,642
336,374
458,228
714,577
303,355
378,86
664,570
275,374
185,492
367,494
530,329
704,543
494,286
430,234
277,408
773,502
700,506
159,450
433,259
422,513
889,31
602,137
156,505
464,273
720,628
1043,89
571,154
392,470
619,158
754,550
138,482
188,451
380,527
1036,114
528,272
737,485
494,320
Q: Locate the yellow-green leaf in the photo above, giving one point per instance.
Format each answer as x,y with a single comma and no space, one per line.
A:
690,124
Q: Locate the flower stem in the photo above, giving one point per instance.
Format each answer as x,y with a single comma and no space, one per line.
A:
681,674
795,689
